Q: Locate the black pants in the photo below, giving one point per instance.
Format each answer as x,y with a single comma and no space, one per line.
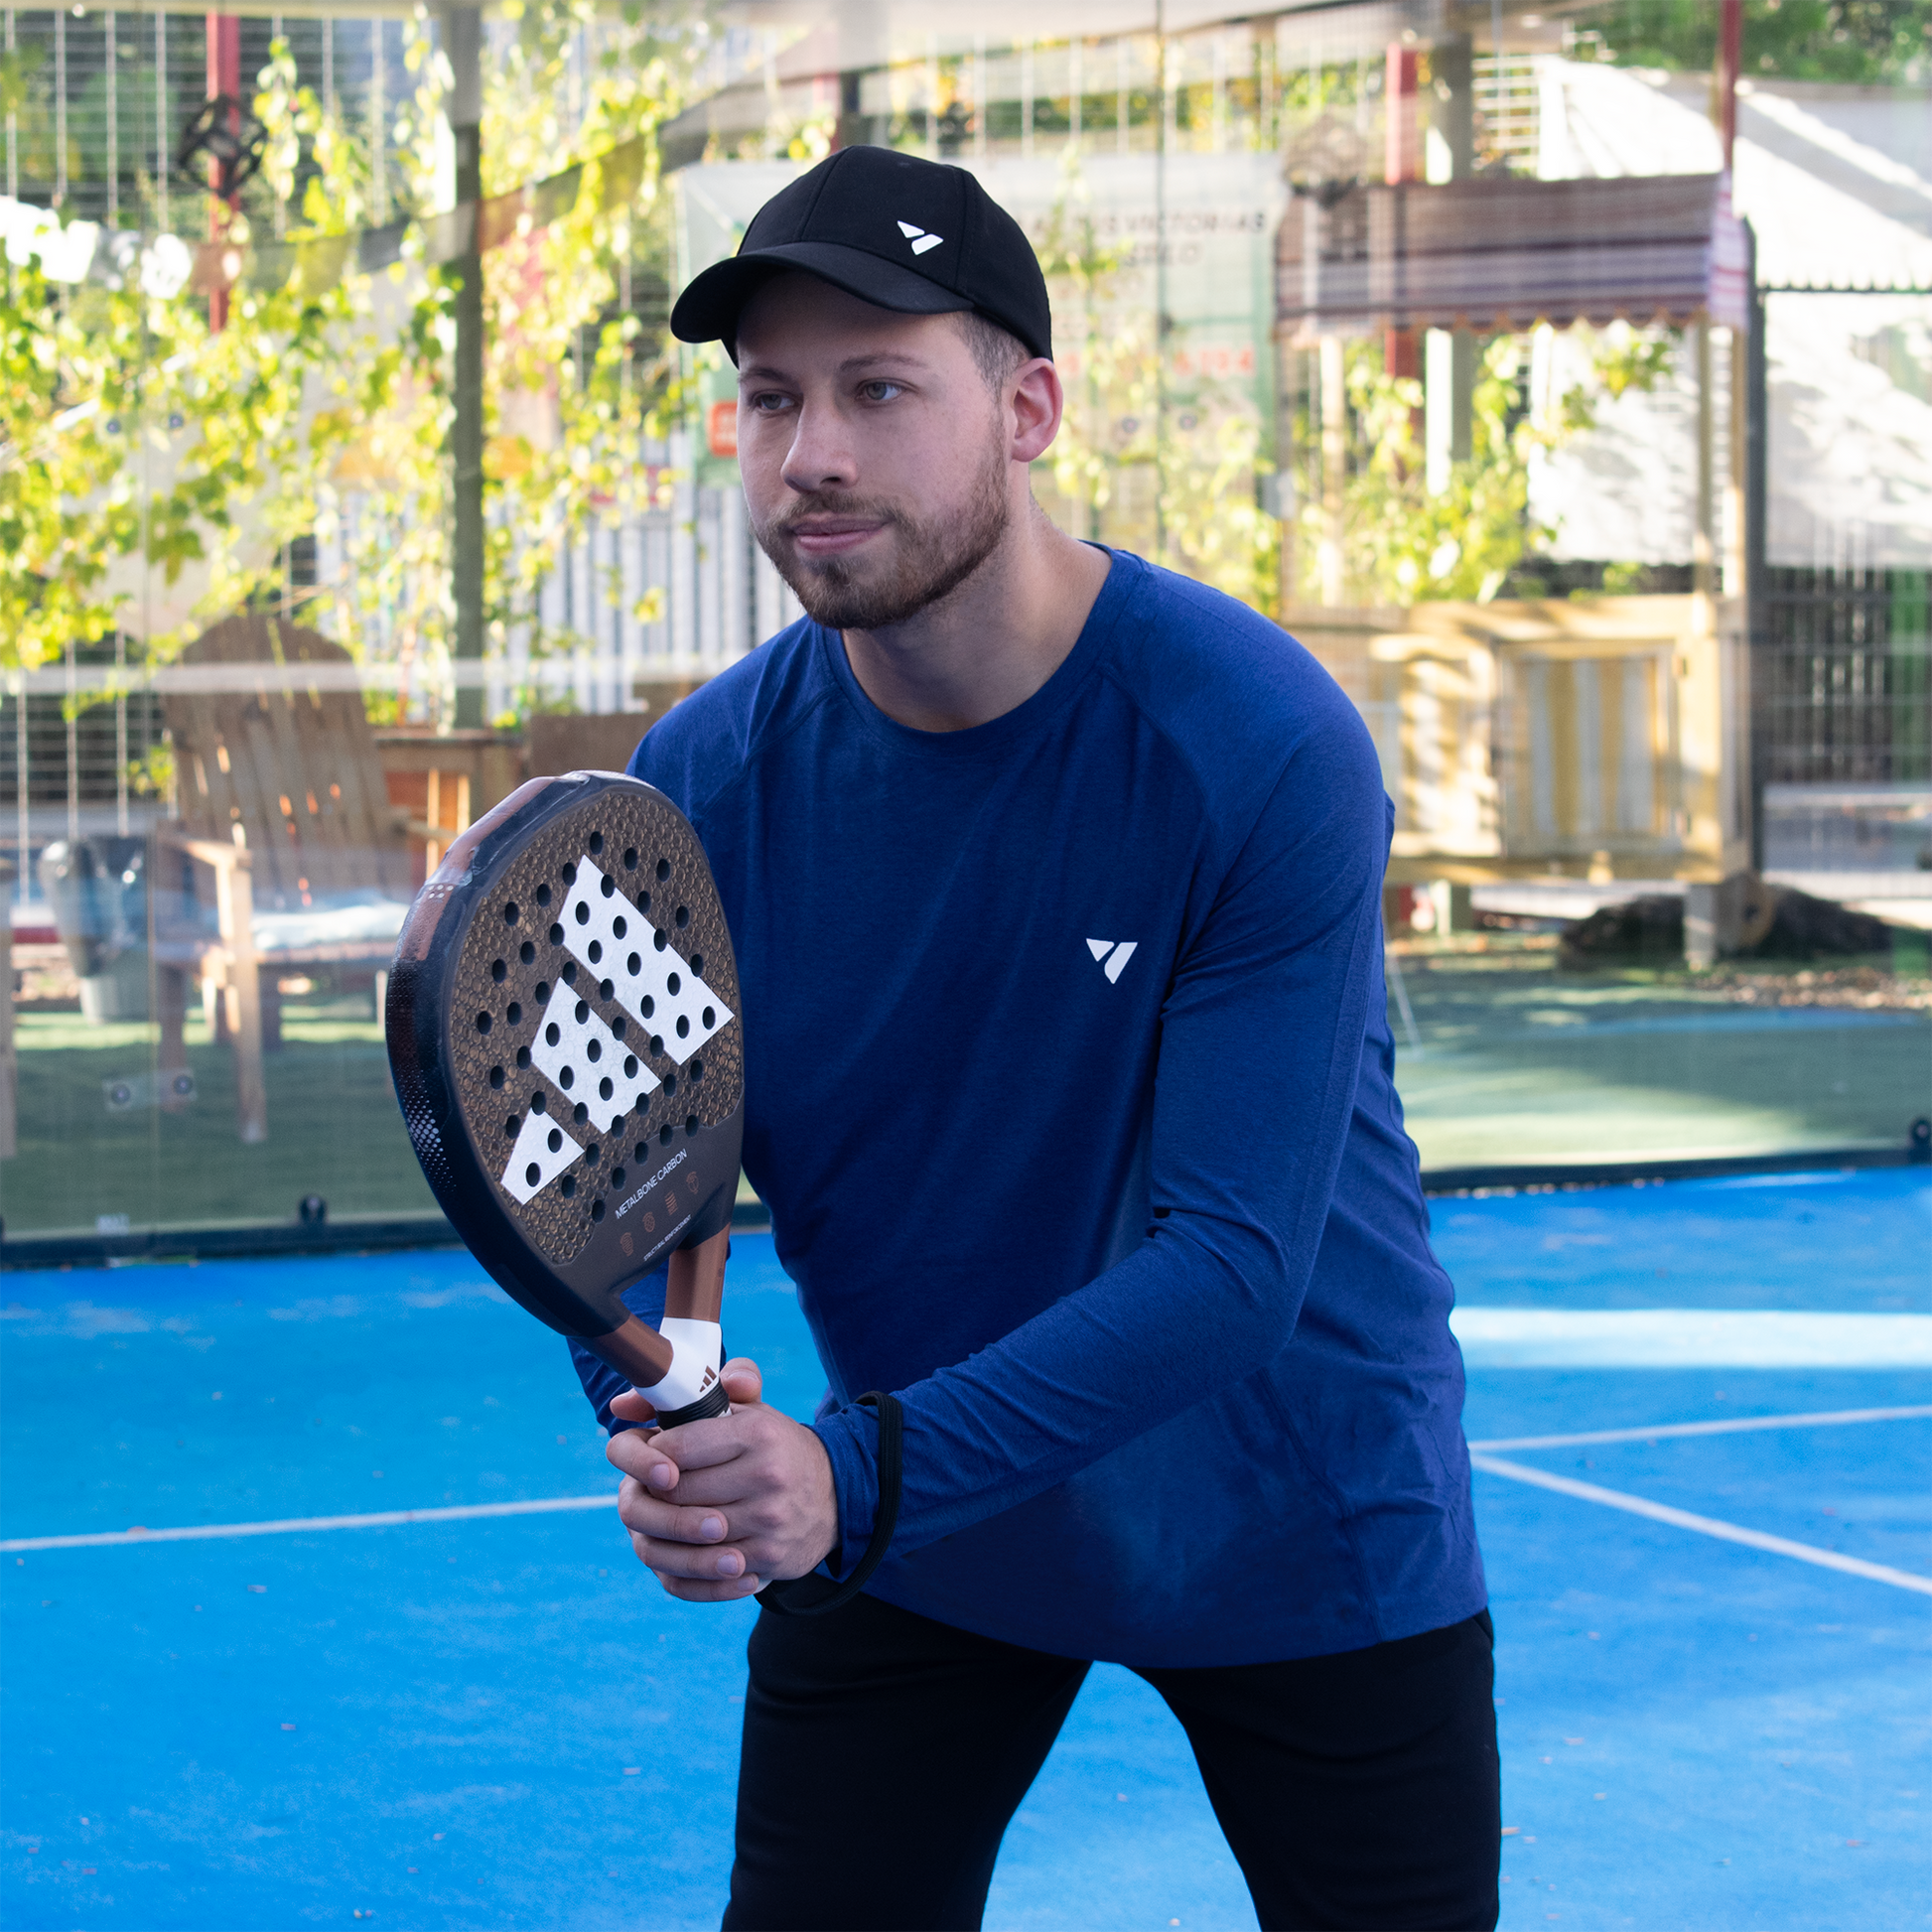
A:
884,1755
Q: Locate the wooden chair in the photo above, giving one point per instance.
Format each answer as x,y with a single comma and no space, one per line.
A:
286,853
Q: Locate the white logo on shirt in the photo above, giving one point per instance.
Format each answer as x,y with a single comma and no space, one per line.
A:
918,238
1114,958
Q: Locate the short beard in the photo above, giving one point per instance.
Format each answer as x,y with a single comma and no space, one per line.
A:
933,558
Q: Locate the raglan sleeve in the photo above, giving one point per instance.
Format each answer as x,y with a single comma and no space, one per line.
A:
1261,1040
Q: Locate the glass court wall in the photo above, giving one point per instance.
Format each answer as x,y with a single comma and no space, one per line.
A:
1638,626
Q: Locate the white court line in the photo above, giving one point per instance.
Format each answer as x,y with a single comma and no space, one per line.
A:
1681,1519
1730,1426
299,1524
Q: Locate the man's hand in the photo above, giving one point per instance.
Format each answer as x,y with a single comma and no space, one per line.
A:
720,1508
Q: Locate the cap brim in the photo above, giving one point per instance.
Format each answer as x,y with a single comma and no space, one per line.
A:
708,311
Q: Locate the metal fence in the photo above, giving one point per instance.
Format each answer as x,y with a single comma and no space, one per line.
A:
1842,667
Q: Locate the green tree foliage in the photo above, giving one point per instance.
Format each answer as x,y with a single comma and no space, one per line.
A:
1403,543
136,442
129,432
1857,41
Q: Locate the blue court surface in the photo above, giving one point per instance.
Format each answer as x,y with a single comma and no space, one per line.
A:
1712,1655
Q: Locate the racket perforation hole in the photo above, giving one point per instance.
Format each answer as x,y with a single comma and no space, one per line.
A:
683,917
552,1033
583,1011
569,871
616,1176
697,964
555,1140
513,1012
565,1077
596,951
673,984
609,885
522,1056
658,940
532,1174
695,1072
538,1103
605,1088
620,926
605,989
527,952
580,1113
632,965
671,1086
556,935
644,902
631,858
495,1076
569,1187
583,912
483,1023
658,1042
499,971
631,1066
509,912
643,1152
650,1006
597,843
569,974
708,1017
542,994
592,1151
664,1134
663,870
594,1049
511,1128
543,894
684,1027
597,1209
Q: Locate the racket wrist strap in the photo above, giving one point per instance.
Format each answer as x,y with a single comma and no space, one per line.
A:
795,1598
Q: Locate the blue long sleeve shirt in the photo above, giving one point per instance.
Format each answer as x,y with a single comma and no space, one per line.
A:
1069,1087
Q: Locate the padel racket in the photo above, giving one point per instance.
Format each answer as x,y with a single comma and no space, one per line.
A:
564,1035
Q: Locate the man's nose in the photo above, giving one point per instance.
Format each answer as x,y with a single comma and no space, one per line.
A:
821,456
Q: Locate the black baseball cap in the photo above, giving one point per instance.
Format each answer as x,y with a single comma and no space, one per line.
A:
912,235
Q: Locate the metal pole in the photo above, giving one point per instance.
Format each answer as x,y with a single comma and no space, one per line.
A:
161,155
120,731
23,823
1756,572
13,150
224,77
463,27
72,711
59,105
114,125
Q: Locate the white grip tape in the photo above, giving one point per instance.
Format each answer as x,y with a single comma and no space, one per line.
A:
696,1346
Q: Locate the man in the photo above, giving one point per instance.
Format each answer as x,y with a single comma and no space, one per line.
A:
1055,882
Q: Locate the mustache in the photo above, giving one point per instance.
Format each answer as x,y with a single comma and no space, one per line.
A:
827,504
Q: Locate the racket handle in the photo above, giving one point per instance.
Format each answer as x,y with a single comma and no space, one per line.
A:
694,1280
694,1293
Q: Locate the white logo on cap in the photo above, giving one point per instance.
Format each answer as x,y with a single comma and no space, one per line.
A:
918,238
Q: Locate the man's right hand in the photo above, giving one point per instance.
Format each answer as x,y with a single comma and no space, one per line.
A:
779,1486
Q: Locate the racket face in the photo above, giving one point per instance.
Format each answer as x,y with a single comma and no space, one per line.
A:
564,1034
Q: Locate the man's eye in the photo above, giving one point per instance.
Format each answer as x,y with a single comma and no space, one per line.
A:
769,404
878,391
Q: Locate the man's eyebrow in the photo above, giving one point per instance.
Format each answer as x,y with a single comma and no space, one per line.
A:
874,358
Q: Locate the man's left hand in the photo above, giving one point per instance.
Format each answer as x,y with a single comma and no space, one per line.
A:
719,1509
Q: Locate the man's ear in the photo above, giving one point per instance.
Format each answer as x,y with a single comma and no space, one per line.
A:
1037,401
